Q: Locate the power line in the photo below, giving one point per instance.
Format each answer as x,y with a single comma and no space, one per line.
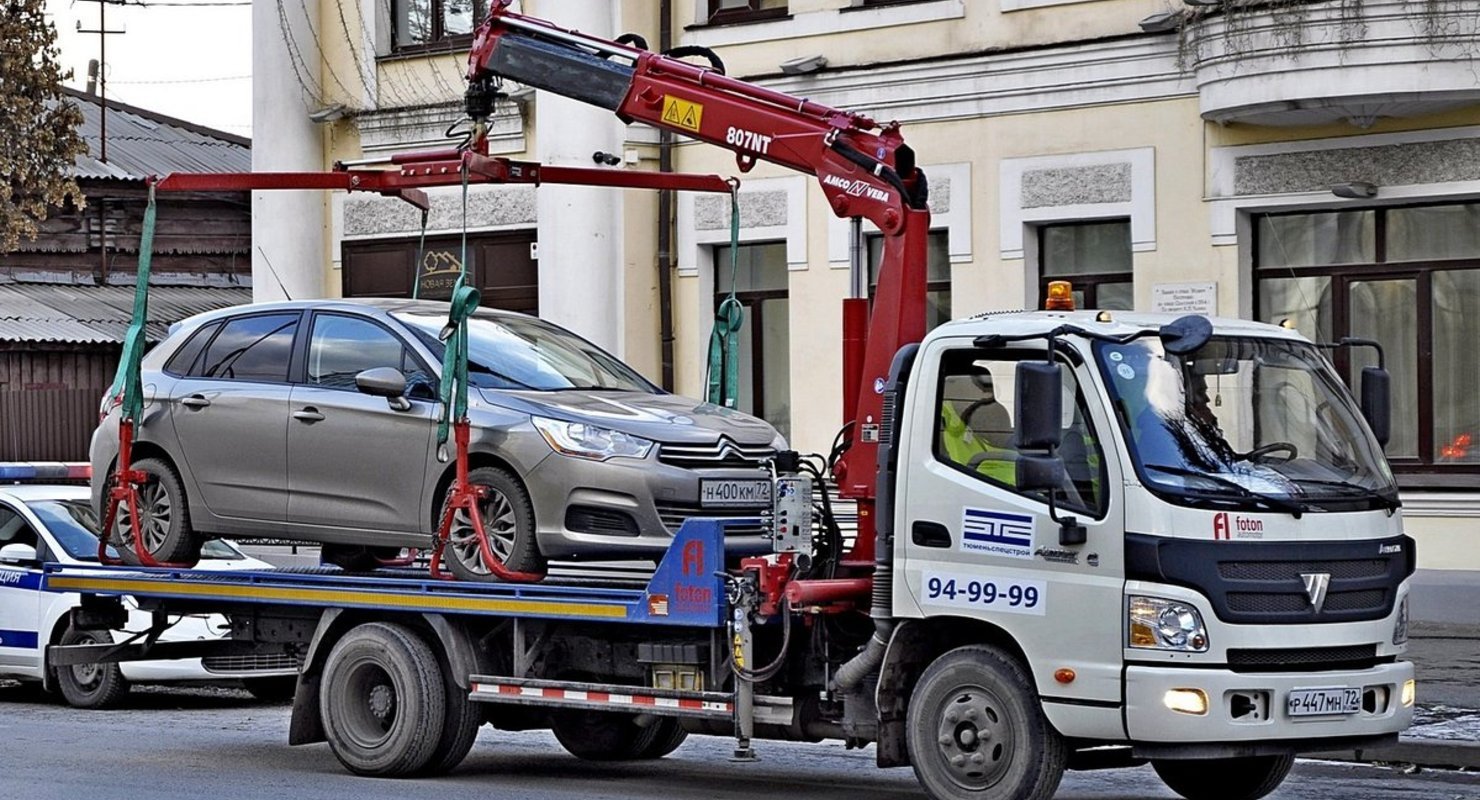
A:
185,80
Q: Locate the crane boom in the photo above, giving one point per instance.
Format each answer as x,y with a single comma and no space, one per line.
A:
864,169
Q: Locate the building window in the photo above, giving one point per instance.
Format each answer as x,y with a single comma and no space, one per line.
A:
1409,278
422,24
760,283
1094,256
937,276
722,12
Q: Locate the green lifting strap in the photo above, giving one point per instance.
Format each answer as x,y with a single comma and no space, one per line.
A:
128,380
723,374
454,389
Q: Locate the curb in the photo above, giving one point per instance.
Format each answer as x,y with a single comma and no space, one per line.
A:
1435,753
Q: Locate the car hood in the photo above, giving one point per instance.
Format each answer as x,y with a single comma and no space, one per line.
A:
660,417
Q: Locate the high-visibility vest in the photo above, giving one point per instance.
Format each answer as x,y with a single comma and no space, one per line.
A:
962,446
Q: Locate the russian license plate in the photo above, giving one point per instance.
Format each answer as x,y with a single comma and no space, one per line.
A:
1321,702
731,493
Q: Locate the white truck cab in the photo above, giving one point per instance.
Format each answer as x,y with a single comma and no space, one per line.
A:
1187,528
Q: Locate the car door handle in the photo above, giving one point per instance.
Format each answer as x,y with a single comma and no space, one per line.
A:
309,415
195,401
930,534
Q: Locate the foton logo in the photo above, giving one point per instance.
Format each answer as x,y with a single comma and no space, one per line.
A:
1225,527
856,188
693,557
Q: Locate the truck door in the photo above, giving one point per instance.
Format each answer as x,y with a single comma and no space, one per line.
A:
977,547
20,597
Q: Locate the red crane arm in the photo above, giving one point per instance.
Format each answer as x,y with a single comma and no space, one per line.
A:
864,169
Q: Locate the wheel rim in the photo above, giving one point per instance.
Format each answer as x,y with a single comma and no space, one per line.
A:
499,523
87,676
371,705
155,513
975,739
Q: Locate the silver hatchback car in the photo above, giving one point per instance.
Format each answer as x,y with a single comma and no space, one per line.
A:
316,421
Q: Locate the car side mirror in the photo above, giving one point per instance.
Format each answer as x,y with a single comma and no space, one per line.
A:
19,554
1377,404
387,382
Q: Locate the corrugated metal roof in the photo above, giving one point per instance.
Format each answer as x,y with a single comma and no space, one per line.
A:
59,313
142,143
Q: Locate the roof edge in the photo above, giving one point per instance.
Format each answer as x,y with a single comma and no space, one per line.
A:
163,119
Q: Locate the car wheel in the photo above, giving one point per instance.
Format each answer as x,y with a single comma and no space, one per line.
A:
277,689
357,558
382,701
508,520
163,516
90,685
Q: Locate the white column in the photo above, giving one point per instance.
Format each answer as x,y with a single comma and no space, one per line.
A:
287,226
580,241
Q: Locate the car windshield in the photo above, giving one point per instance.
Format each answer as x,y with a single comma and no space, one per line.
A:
1249,422
510,352
72,524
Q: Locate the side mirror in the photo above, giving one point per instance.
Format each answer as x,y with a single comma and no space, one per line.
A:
387,382
1377,404
1039,406
20,554
1040,473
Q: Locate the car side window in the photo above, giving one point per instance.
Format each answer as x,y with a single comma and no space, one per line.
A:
974,429
342,347
255,348
14,529
184,361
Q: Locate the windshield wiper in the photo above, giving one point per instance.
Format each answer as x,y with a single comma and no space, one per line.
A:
1291,507
1353,489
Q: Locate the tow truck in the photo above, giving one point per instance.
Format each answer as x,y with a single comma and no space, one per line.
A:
1085,539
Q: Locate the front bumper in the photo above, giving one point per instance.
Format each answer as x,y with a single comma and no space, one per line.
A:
1250,707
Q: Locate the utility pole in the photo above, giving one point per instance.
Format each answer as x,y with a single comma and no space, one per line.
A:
103,34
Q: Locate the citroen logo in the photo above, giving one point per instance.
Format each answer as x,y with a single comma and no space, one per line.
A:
1316,584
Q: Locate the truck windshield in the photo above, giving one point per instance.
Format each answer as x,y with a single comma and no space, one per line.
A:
1245,422
517,352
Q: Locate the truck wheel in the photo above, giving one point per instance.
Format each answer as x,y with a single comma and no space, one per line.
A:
508,519
90,685
164,517
665,736
976,730
602,735
464,717
382,701
1224,778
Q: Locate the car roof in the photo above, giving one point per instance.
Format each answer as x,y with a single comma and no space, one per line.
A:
32,492
386,305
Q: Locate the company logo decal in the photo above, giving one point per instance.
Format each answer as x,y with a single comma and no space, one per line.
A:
1236,527
996,533
856,188
1316,584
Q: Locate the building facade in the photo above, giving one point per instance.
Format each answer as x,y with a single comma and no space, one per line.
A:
1309,161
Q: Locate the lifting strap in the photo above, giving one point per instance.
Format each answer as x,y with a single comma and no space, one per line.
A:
454,388
128,379
421,252
723,373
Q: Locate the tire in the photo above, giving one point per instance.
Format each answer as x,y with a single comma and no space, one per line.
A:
508,518
603,735
356,558
92,686
383,701
1224,778
277,689
976,730
665,737
164,516
464,717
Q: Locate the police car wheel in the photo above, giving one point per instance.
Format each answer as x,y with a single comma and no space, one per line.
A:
90,685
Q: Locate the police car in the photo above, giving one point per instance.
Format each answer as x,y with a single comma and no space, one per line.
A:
42,523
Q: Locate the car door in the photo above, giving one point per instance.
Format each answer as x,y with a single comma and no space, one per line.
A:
356,460
230,417
20,597
978,547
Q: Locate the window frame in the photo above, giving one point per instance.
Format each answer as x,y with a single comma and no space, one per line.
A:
439,41
938,285
294,356
300,374
1421,471
1087,282
1073,363
205,333
751,300
751,13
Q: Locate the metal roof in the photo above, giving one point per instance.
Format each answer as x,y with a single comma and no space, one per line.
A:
71,314
142,143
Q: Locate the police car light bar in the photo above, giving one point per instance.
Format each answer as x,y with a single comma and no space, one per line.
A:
36,471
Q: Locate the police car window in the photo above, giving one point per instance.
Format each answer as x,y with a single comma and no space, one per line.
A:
14,529
974,428
255,348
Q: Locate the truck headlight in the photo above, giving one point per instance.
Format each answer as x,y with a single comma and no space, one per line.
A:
1400,628
1160,624
581,440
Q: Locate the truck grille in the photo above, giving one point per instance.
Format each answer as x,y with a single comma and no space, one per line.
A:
1262,582
723,454
1361,656
674,515
252,662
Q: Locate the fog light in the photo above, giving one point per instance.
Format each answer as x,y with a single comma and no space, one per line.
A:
1187,701
1410,691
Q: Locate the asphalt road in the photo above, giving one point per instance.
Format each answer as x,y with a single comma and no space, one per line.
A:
187,744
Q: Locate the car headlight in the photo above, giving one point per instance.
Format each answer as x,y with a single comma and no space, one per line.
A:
1160,624
581,440
1400,628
